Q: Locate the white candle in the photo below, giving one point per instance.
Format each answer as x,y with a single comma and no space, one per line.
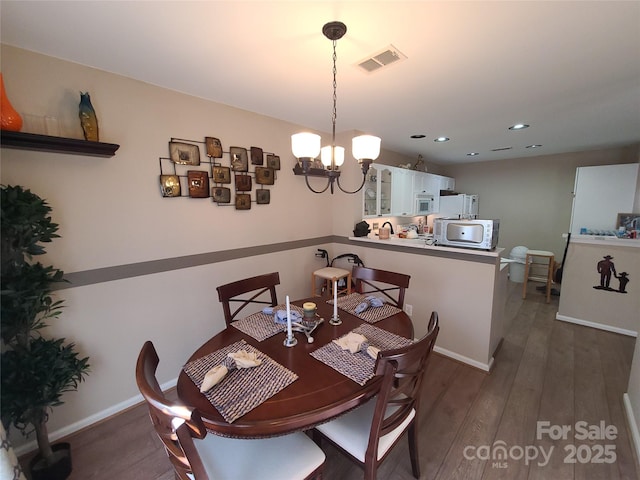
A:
289,333
335,299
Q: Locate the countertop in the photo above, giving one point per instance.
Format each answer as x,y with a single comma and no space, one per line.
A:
607,240
420,243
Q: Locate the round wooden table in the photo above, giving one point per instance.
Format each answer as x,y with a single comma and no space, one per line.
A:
320,392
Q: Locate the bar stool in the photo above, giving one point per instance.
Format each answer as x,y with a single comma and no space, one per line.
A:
330,275
531,254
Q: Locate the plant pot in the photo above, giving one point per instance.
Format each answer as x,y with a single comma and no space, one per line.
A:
61,468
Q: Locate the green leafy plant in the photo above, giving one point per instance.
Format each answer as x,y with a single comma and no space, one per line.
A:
35,371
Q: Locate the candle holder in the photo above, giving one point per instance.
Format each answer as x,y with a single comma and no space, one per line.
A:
290,341
335,320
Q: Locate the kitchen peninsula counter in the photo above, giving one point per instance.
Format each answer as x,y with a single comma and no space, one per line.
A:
420,245
467,287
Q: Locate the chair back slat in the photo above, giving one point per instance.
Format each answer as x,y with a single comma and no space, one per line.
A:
263,284
175,424
372,280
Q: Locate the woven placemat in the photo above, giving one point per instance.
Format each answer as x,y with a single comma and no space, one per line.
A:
241,390
349,303
359,366
262,326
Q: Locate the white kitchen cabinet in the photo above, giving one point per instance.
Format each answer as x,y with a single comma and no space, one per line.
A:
402,196
391,191
377,192
426,183
443,183
447,183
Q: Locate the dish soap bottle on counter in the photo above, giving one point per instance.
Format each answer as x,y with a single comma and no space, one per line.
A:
420,227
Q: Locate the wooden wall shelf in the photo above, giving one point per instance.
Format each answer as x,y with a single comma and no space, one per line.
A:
46,143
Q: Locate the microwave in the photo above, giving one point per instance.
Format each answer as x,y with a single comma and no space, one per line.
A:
480,234
424,204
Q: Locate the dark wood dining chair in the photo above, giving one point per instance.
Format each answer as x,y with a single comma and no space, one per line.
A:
368,433
195,453
259,286
372,280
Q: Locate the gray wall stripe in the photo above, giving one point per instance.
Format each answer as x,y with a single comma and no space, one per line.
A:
120,272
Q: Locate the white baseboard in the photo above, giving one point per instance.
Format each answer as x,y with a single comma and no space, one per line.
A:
599,326
461,358
86,422
633,425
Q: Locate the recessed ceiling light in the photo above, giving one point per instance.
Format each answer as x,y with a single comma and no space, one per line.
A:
518,126
418,135
473,154
535,145
441,139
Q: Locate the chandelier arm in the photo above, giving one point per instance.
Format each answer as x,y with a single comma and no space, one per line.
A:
329,182
364,179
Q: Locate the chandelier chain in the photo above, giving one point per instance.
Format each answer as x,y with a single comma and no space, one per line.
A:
335,99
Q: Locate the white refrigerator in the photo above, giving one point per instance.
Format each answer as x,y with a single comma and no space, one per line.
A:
600,194
461,205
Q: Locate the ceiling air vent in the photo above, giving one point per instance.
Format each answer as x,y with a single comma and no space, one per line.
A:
388,56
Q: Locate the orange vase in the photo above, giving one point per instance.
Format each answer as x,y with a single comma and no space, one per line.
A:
9,118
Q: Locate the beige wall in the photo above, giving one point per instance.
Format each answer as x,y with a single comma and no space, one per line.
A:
532,196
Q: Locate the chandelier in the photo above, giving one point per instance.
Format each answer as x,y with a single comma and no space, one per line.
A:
306,145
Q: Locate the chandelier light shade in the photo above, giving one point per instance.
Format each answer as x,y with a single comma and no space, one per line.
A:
306,146
329,153
365,147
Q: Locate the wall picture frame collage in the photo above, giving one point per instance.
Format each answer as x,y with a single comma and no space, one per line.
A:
213,178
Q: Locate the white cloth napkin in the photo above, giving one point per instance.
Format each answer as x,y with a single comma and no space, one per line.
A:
245,359
354,343
240,359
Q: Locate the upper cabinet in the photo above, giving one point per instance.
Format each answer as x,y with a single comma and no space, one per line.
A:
377,191
402,195
394,192
443,183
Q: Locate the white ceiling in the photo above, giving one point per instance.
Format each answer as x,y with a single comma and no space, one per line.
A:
571,70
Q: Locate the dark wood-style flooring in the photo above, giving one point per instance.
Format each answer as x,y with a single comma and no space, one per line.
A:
545,371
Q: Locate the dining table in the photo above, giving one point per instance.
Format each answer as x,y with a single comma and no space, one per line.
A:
311,391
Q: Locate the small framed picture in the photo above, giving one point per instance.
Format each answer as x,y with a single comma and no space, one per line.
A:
239,161
243,201
214,147
170,185
221,194
273,161
198,182
265,176
243,183
221,174
263,196
184,153
257,157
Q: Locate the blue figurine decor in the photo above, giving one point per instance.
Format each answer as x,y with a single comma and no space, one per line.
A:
88,118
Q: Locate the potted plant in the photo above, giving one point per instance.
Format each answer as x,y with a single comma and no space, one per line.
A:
35,371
